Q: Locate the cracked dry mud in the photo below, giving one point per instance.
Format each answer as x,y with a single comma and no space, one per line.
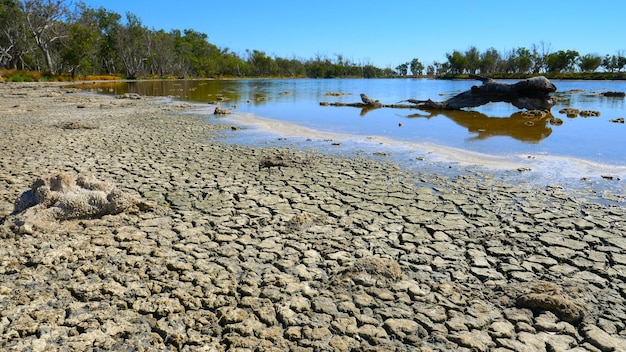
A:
273,249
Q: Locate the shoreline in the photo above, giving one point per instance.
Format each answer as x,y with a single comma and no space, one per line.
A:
322,253
517,168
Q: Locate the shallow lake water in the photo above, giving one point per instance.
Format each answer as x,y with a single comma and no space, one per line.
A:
493,133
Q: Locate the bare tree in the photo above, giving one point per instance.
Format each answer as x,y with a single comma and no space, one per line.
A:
45,21
161,52
132,46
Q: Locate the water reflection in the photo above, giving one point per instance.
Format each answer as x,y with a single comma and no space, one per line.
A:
528,129
521,126
189,90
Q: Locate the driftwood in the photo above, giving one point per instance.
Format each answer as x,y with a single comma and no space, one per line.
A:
367,102
530,94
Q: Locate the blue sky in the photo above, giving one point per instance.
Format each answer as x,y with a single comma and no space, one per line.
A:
388,33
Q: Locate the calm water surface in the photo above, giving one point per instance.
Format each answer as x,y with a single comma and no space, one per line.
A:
495,129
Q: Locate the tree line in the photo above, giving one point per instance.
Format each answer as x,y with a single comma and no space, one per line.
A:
534,60
56,37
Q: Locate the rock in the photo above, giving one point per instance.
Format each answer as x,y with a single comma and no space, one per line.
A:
379,268
222,111
293,333
570,112
602,340
401,328
325,305
477,340
501,329
534,113
173,330
555,121
230,315
613,94
316,333
132,96
371,332
589,113
564,308
485,274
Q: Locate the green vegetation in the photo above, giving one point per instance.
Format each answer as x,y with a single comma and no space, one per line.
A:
59,41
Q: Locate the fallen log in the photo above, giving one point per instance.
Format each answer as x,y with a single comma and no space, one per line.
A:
531,94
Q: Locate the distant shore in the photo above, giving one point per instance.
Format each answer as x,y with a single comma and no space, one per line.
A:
283,249
20,76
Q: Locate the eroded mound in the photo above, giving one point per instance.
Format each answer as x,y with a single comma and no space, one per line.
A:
64,197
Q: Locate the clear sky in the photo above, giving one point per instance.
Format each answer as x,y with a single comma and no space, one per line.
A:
388,33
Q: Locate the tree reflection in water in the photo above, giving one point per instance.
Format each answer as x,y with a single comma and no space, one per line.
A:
528,129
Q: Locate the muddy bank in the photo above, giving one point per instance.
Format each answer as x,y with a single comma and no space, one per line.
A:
277,249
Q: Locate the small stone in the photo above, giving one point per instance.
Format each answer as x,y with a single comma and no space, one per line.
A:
371,332
564,308
401,327
602,340
486,274
230,315
501,329
325,305
293,333
476,339
316,333
300,304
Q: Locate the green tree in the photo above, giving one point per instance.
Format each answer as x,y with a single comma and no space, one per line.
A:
110,28
524,60
403,69
472,60
621,62
319,67
416,67
339,67
489,61
610,63
371,71
131,45
388,72
231,64
81,50
561,61
261,64
195,55
590,62
441,68
538,58
81,45
161,52
457,62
